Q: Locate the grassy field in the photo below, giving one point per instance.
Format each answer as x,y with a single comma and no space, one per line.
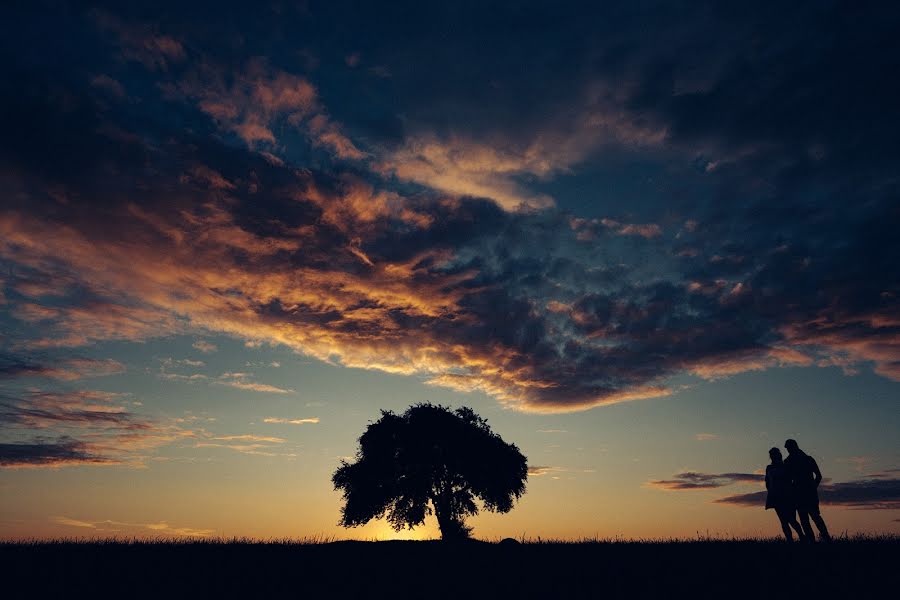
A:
864,567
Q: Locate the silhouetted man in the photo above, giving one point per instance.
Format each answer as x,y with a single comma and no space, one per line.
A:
805,478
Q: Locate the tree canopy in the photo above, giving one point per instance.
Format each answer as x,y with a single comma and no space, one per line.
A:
430,460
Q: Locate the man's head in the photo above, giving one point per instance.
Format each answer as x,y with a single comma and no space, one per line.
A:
791,446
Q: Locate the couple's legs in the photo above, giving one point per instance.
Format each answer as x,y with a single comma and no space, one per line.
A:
807,528
788,519
805,513
820,522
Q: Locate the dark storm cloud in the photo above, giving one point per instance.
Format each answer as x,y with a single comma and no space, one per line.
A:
14,366
703,481
40,410
862,494
166,179
47,453
886,474
70,428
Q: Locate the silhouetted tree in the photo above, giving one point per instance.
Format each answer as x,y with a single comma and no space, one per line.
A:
430,460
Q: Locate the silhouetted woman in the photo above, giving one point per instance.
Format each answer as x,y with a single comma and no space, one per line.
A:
780,496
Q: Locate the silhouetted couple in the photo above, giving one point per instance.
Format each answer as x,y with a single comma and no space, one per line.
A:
793,484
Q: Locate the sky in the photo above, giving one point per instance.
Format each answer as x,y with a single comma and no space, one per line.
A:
647,241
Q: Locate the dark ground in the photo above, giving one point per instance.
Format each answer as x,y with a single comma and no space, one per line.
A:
863,568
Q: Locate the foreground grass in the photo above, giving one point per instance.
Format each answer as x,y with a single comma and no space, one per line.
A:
850,567
317,540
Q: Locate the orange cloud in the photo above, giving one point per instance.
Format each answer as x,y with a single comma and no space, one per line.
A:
468,168
190,281
142,43
493,167
325,132
868,338
252,102
338,270
723,366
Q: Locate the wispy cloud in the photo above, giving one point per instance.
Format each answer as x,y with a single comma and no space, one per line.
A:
182,377
278,420
73,522
258,445
645,230
591,229
204,346
250,438
239,381
159,529
690,480
142,43
167,365
540,470
190,363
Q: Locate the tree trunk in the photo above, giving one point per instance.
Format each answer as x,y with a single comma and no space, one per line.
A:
451,526
442,512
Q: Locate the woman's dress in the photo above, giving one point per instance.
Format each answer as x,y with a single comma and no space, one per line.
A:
778,484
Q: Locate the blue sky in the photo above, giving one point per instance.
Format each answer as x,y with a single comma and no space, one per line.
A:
642,239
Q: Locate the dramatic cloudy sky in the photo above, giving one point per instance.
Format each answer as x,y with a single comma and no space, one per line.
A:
647,241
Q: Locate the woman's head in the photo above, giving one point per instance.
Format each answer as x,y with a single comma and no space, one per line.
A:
775,455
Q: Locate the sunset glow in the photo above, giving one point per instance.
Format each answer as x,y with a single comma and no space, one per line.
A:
646,244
